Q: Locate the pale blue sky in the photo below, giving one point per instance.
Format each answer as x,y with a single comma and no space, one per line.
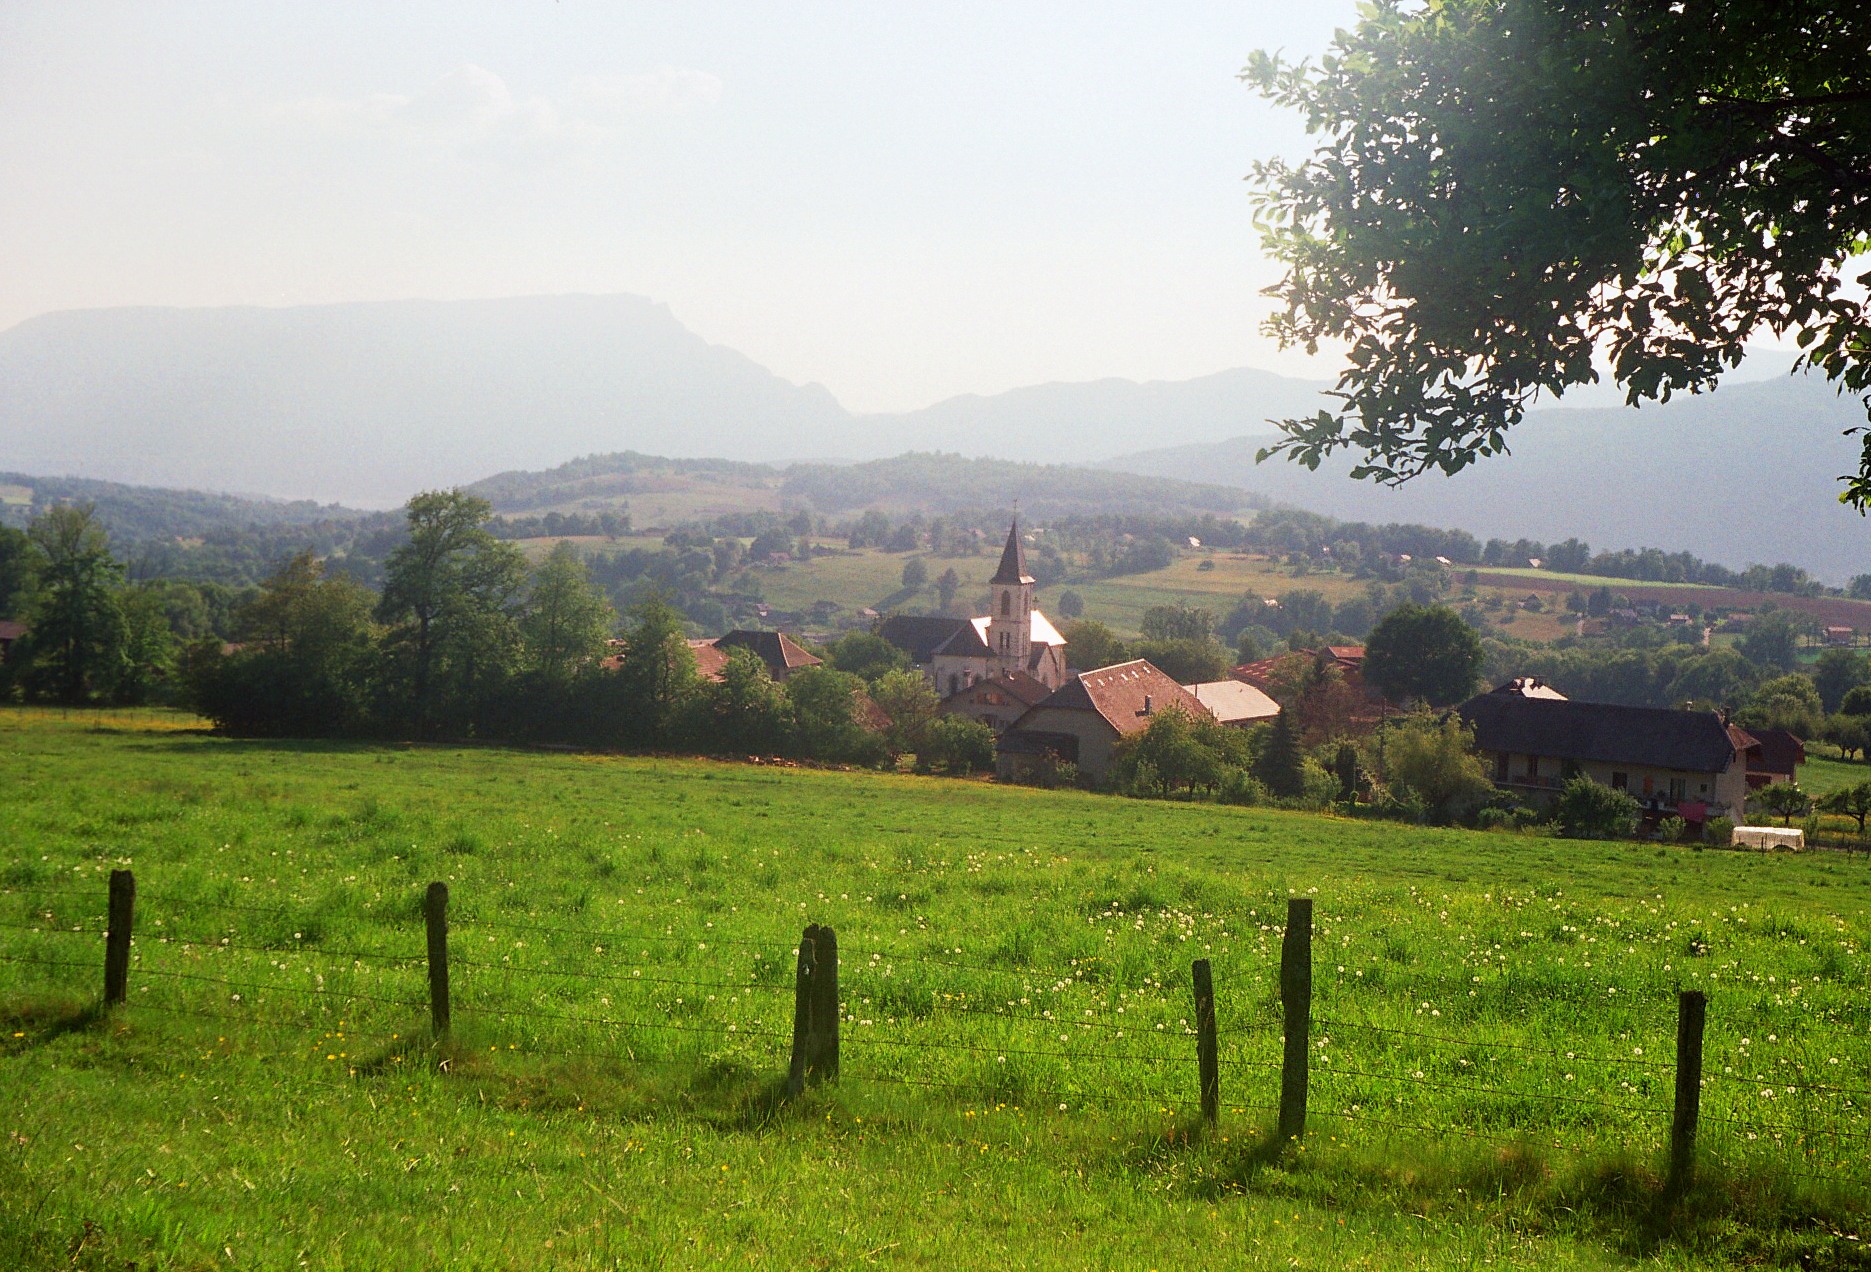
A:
900,201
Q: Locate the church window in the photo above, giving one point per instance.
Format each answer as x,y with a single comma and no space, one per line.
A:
1006,601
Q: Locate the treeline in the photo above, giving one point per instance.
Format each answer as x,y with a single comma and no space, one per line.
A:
604,475
134,513
1355,547
942,483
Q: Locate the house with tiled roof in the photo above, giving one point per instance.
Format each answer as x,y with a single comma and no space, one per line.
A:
998,701
1014,636
1693,764
1083,720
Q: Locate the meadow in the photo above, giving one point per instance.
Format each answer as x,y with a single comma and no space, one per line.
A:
1494,1023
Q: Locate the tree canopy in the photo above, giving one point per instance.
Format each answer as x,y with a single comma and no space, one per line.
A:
1506,191
1423,653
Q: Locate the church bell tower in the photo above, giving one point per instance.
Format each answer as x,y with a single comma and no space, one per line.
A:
1010,625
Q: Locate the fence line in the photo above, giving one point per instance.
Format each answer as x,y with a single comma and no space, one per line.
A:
820,1009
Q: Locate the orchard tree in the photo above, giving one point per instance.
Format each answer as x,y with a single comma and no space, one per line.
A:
1506,191
1423,653
1850,801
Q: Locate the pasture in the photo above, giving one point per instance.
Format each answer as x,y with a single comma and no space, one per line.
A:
1491,1080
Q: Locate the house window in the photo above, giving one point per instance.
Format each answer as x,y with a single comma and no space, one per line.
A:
1500,766
1650,785
1679,788
1704,788
1533,766
954,683
1620,781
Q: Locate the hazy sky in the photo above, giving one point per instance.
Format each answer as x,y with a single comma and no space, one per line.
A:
902,201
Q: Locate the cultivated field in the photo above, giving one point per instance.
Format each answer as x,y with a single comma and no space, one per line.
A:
1491,1079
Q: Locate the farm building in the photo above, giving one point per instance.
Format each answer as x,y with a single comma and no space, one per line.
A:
1083,720
1689,763
1776,759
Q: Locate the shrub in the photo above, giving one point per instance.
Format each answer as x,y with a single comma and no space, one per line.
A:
1673,829
1719,831
1239,787
1587,810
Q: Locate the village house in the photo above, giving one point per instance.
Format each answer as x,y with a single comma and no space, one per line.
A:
1083,720
999,701
1777,759
955,653
1689,763
1235,703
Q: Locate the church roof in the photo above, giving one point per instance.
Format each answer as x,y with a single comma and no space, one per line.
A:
1012,559
919,635
1039,629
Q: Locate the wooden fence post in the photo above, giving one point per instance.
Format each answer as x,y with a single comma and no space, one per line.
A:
802,1012
435,910
1691,1008
117,936
1296,999
1207,1058
823,1059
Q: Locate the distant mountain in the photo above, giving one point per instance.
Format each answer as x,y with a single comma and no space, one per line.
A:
1748,473
368,403
371,402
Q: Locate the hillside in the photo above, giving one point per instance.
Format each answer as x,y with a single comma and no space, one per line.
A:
146,512
1746,474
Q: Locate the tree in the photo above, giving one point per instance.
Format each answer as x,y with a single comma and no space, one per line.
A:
1787,702
1433,759
451,594
744,712
1857,702
955,744
1279,767
866,654
1177,622
1836,674
1187,662
1848,733
948,582
74,646
1850,801
655,677
1423,653
1785,798
1773,640
1089,645
567,619
824,703
17,566
1587,810
915,573
1505,189
1071,604
911,704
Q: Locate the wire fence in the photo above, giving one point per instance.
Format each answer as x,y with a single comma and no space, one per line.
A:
904,1022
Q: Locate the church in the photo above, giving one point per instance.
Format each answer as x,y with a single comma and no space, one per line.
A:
1012,639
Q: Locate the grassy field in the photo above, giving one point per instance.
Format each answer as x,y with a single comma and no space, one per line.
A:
1491,1081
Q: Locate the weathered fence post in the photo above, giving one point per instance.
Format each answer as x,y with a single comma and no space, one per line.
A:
803,988
117,936
1296,999
1691,1008
822,1063
1207,1058
435,910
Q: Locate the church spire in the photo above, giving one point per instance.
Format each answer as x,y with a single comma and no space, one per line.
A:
1012,559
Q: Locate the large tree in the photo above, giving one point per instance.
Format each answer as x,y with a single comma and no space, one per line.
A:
567,618
1423,653
451,594
1508,191
74,650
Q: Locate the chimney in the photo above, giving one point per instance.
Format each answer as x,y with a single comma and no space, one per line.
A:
1146,704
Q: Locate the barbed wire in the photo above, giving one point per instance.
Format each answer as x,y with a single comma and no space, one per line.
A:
45,929
1446,1041
269,988
1496,1093
1796,1085
860,1039
732,1029
609,978
47,962
224,945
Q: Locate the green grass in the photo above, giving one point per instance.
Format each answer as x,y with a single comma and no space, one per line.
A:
994,944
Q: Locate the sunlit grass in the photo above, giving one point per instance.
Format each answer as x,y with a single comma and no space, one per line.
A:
622,937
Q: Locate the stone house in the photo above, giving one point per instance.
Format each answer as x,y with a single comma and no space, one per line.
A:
1083,720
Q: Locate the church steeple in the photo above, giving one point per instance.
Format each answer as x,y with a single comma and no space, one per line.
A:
1012,560
1010,625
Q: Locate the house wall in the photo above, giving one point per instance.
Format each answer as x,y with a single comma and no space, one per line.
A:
1724,792
1096,738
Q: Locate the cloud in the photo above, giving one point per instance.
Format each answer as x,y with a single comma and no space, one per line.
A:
473,107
